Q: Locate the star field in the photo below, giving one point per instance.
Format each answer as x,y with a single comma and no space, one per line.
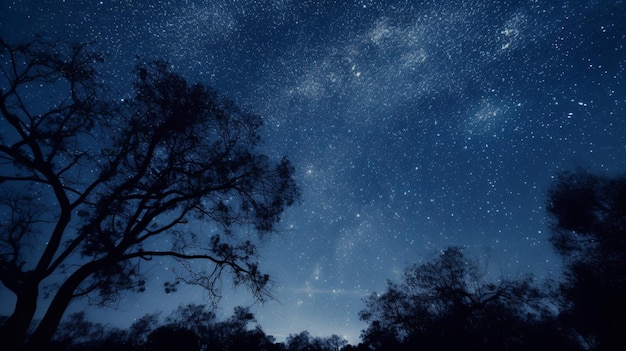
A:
413,125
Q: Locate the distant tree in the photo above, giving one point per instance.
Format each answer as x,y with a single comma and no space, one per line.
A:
234,333
305,342
589,231
231,334
380,335
359,347
334,343
173,338
445,304
189,327
138,333
239,336
76,333
92,188
198,318
299,342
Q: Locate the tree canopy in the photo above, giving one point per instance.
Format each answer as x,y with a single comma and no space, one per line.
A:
589,231
447,304
93,185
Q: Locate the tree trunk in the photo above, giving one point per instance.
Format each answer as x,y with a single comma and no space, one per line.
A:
42,335
14,331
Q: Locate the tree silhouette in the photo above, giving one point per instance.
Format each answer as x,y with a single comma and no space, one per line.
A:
198,318
92,188
138,333
76,333
589,231
172,338
445,304
234,333
77,330
305,342
300,342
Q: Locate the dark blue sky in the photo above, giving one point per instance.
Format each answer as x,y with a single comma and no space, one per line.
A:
414,125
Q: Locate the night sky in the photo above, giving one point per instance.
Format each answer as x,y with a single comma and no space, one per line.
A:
413,125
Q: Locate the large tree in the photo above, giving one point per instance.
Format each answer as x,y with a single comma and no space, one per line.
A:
589,231
92,188
446,304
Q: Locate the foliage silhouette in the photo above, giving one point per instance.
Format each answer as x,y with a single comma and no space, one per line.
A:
589,231
305,342
190,327
447,305
92,188
171,338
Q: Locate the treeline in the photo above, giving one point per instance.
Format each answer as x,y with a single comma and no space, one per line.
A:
445,304
190,327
